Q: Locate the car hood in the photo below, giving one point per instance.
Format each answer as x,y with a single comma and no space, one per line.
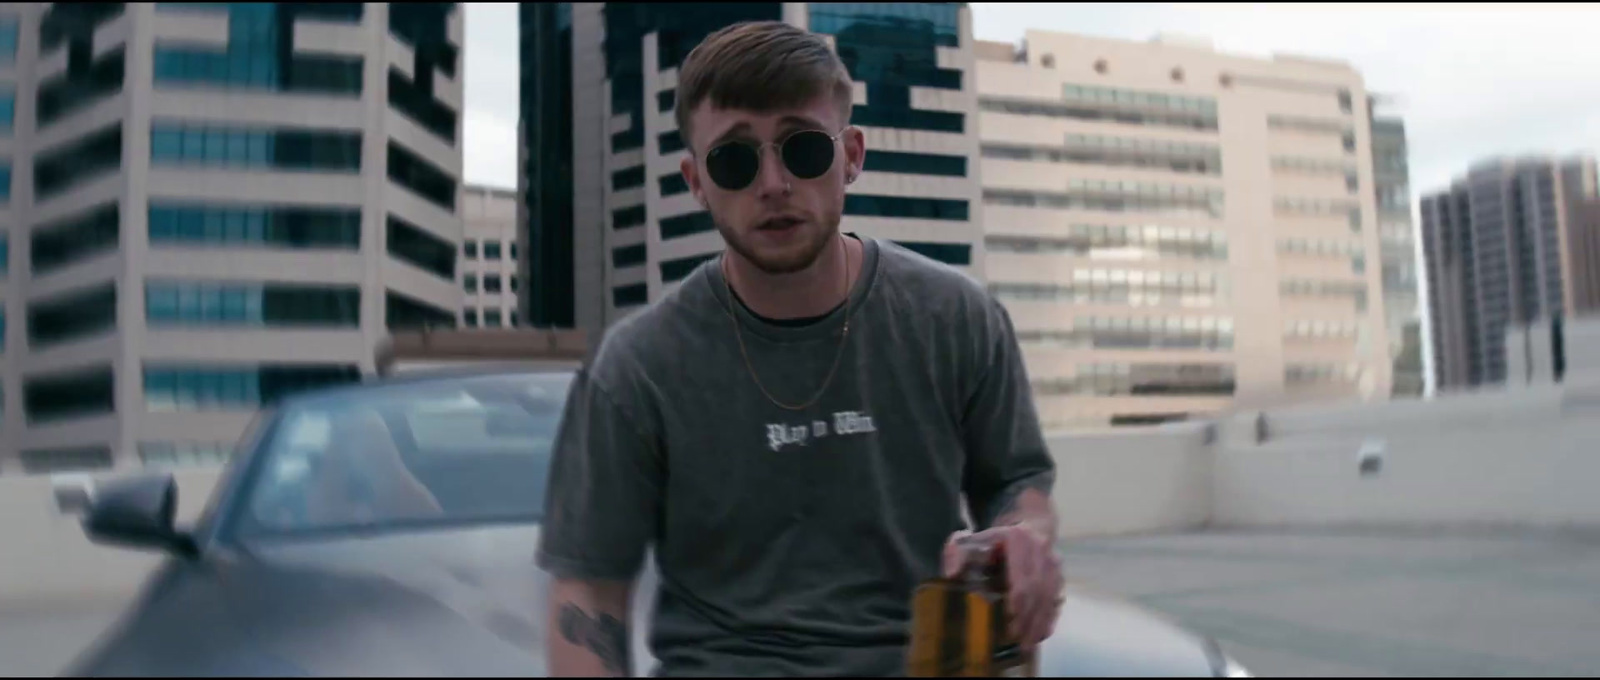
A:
468,602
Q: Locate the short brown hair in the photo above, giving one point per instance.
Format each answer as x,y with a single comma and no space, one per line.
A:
760,66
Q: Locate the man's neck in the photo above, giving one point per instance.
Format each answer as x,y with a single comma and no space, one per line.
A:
812,291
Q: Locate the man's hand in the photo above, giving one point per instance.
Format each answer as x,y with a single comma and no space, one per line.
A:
1033,572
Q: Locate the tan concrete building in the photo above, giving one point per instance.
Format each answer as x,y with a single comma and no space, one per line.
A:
1178,231
212,206
489,257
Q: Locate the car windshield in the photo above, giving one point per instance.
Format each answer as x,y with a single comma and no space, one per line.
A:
447,451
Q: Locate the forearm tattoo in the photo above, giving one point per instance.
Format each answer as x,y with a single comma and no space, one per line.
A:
605,636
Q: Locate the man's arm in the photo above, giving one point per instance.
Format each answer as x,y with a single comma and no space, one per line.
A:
601,510
1009,476
1010,471
588,622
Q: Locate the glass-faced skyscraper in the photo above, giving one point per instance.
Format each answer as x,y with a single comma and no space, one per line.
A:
634,231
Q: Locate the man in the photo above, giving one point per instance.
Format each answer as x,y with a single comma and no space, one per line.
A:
794,428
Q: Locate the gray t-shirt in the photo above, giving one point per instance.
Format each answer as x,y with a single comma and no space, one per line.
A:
789,542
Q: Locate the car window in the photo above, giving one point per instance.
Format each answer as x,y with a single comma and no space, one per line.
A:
441,451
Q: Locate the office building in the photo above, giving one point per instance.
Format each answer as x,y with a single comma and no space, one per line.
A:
610,224
489,257
1179,232
1508,245
215,205
1397,248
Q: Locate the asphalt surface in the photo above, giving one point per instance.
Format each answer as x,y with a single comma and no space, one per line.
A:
1424,603
1300,604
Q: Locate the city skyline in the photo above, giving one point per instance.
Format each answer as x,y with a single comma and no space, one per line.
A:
1452,121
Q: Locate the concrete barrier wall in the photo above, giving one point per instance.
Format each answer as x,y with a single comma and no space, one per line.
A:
1528,458
1132,481
48,557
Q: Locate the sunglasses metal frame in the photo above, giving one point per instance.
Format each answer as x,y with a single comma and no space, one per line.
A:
761,149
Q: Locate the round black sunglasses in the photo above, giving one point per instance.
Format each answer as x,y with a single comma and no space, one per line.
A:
807,154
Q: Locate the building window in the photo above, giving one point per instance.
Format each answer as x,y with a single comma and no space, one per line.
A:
892,48
670,142
665,100
1117,152
237,147
491,250
1121,286
627,178
423,26
957,254
469,249
627,217
628,256
1170,200
691,223
492,318
404,312
5,182
469,317
74,163
9,28
8,110
412,244
235,388
910,208
630,295
676,270
75,22
1123,107
74,238
1345,103
71,459
420,105
1349,142
491,283
421,177
260,54
75,393
470,282
512,246
184,454
916,163
1150,379
76,315
511,282
1136,333
247,305
85,82
673,184
1151,242
280,226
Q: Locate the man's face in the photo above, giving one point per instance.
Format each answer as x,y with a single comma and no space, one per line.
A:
778,221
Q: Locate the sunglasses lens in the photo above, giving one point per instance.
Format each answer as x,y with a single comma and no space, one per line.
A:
733,166
808,154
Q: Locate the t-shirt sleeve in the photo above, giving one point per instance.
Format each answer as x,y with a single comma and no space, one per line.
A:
603,493
1006,447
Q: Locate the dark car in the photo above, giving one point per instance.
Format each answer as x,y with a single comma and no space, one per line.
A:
389,529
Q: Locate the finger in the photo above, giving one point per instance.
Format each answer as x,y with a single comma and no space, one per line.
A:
1053,594
1022,599
954,555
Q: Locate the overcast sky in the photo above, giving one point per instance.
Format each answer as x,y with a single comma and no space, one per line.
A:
1470,81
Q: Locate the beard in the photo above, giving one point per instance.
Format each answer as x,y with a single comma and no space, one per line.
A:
789,259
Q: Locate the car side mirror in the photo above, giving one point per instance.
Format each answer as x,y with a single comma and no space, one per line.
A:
137,512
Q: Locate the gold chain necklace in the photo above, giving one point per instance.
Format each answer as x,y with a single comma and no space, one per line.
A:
844,334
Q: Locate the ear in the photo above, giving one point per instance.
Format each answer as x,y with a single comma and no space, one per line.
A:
855,152
688,167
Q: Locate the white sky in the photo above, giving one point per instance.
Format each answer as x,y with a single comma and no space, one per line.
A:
1470,81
